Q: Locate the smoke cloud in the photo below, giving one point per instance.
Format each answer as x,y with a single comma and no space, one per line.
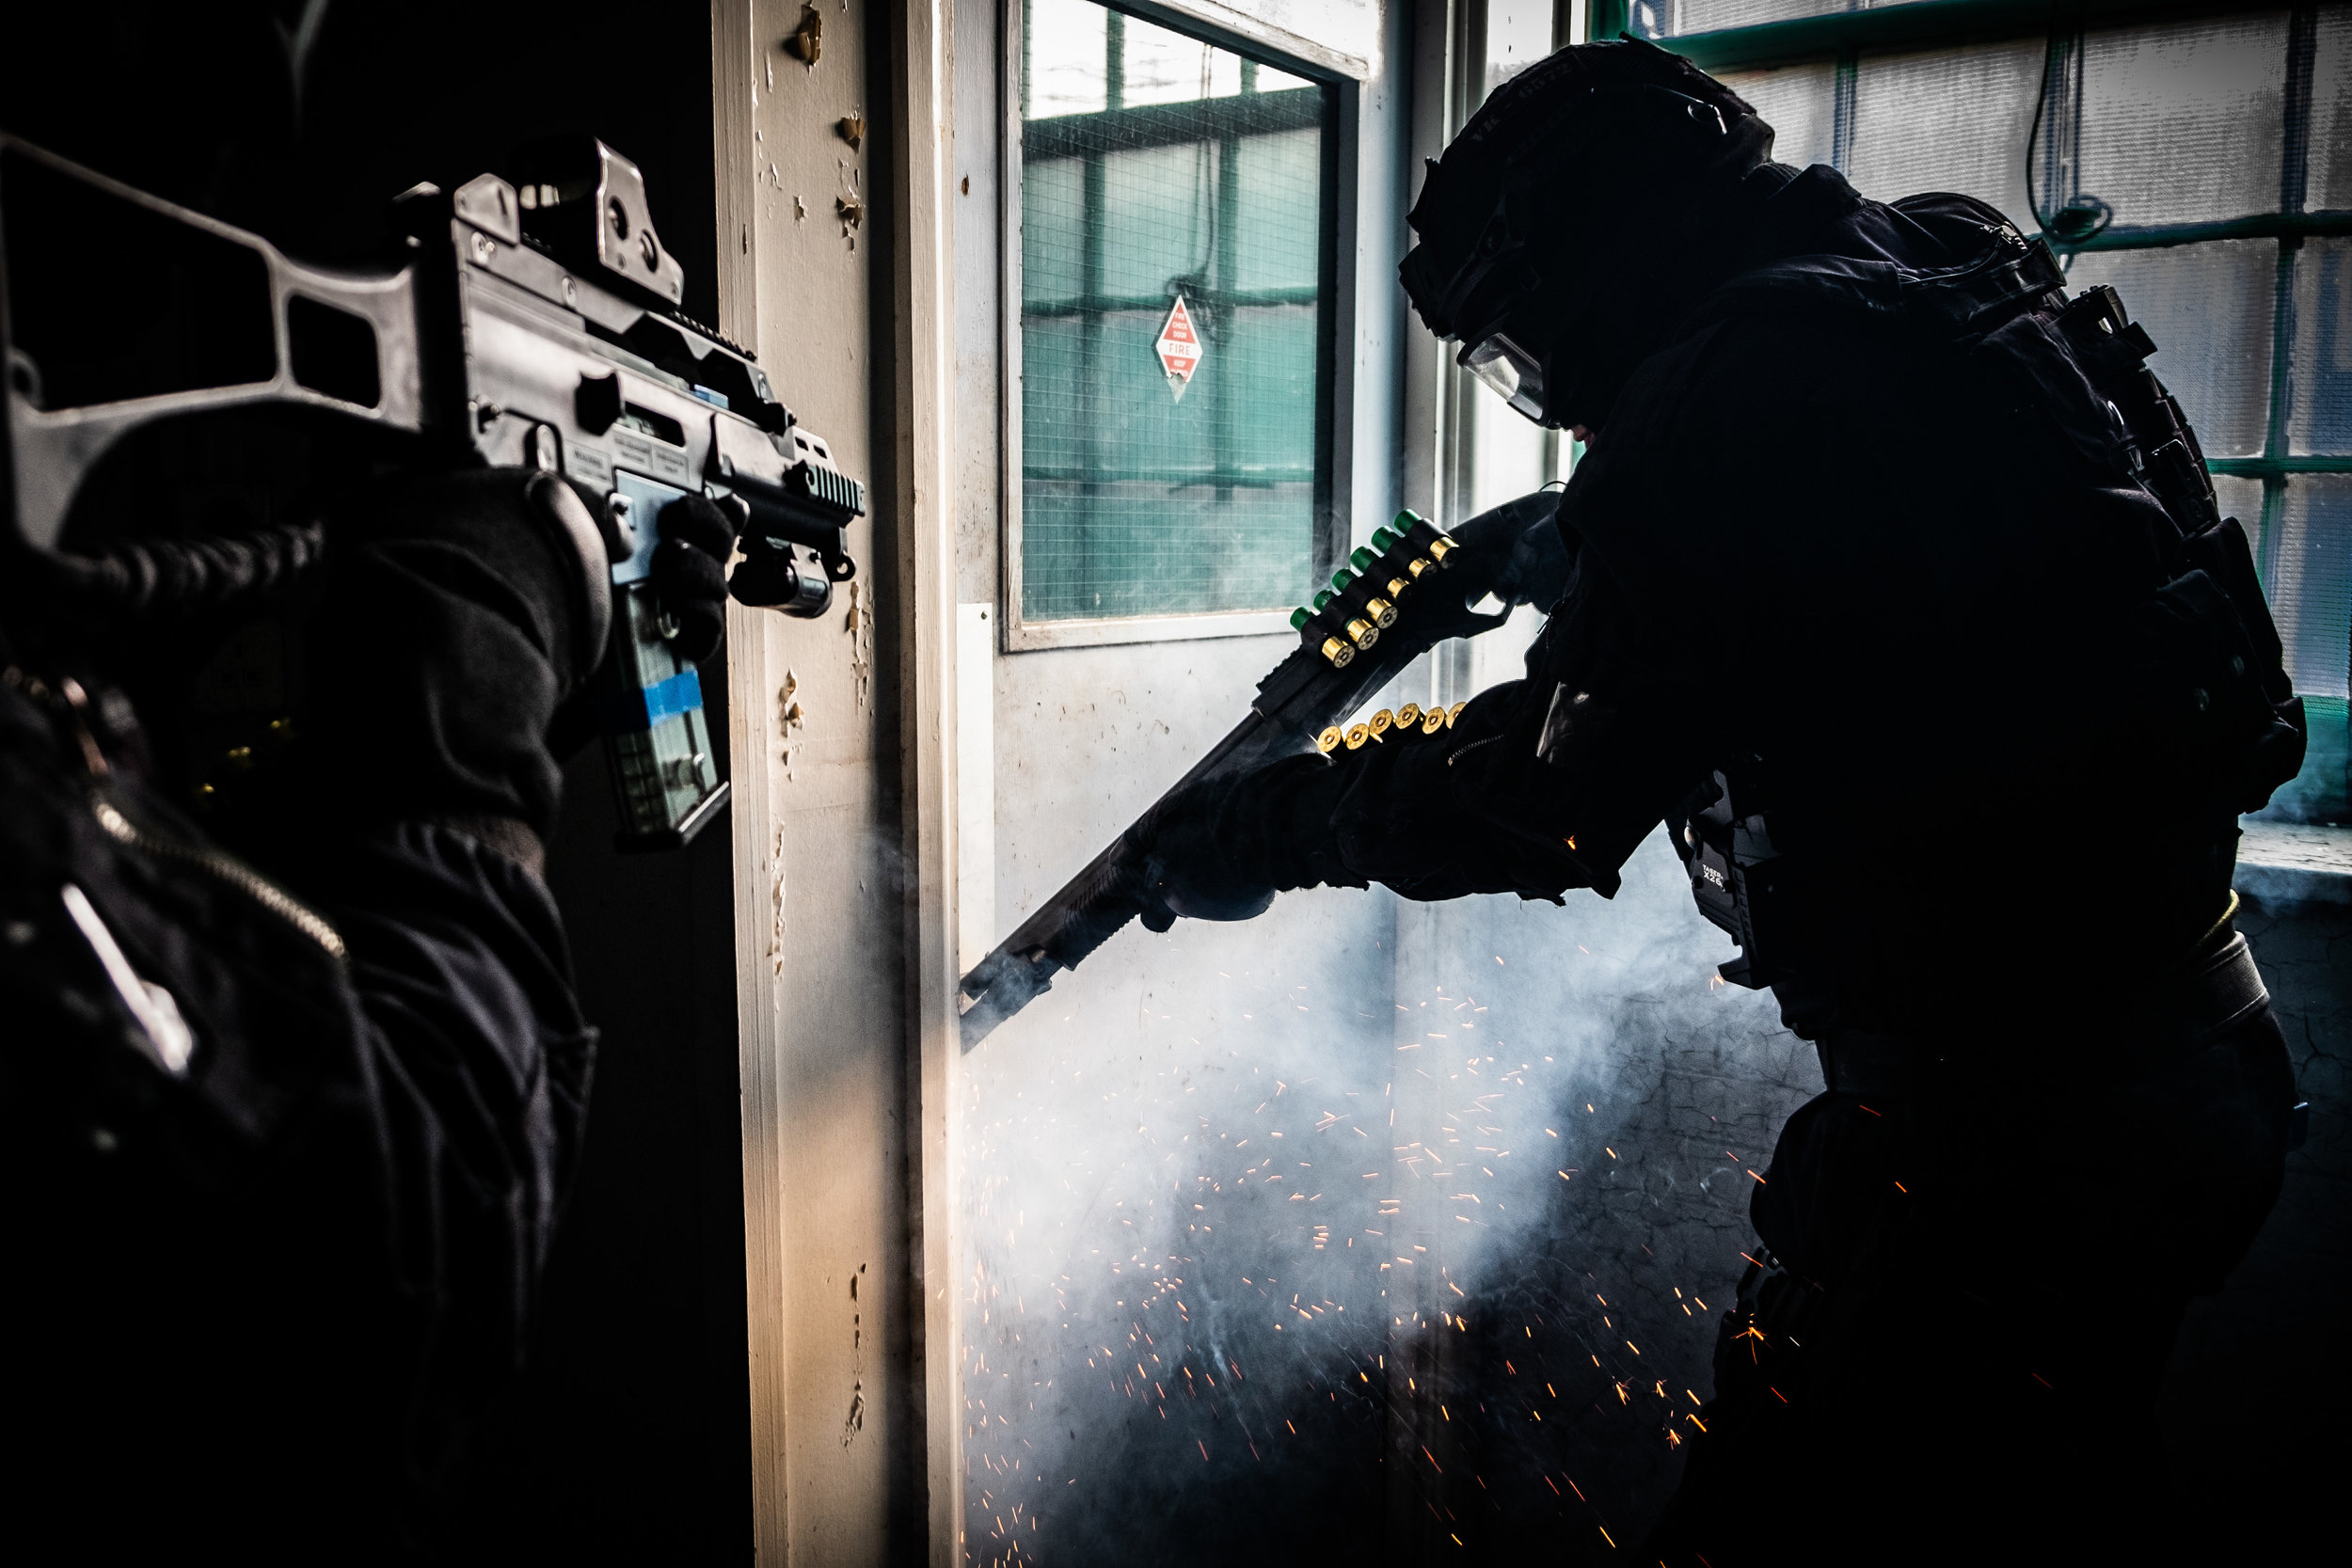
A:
1364,1230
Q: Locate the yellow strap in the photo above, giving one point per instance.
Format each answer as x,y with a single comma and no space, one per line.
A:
2212,930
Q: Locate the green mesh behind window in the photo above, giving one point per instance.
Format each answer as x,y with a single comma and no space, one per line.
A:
1156,168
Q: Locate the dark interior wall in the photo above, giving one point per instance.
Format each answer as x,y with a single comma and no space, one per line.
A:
629,1436
200,103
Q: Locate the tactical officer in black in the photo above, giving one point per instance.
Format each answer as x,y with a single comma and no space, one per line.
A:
1894,589
293,1078
291,1093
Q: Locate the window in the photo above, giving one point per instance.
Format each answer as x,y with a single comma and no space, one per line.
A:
2200,159
1176,279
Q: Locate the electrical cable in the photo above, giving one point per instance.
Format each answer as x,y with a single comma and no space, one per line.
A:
2083,216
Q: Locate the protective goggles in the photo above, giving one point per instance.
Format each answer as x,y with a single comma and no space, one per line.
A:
1509,371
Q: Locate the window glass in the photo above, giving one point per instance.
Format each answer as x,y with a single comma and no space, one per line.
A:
1664,18
1175,235
1948,119
2311,584
2241,498
1798,103
1063,71
2208,306
2184,124
1518,33
1668,17
2321,418
2329,171
1160,66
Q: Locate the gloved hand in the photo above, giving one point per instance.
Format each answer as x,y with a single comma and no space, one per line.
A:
690,572
459,611
1221,848
1529,558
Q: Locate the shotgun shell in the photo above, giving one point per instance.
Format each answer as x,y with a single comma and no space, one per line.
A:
1362,632
1397,587
1455,712
1432,722
1339,653
1382,612
1441,548
1362,558
1356,736
1414,569
1299,618
1409,716
1330,740
1379,724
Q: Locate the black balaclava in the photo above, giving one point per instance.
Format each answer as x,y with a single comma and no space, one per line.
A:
1584,207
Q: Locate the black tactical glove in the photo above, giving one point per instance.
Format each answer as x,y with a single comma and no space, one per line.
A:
459,611
1529,558
1221,848
690,572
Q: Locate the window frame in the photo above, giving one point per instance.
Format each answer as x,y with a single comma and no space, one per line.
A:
1343,75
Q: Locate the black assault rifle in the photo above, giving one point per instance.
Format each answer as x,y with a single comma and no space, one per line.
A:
533,323
1409,589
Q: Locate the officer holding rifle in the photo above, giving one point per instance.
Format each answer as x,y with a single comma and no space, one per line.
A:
292,1079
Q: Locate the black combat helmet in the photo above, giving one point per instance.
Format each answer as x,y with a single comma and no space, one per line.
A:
1591,171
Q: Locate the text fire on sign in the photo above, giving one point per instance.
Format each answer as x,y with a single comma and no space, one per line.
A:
1179,349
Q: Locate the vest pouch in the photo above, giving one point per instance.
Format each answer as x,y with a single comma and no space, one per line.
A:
2222,553
2201,690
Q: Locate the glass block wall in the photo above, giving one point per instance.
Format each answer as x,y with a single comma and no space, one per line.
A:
1158,170
2199,159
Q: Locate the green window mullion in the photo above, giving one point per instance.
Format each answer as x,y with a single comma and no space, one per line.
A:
1842,108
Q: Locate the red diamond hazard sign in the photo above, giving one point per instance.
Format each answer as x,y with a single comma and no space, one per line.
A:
1179,349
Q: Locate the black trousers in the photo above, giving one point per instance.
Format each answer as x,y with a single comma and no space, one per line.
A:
1950,1341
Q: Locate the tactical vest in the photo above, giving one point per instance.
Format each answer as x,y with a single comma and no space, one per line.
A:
2202,663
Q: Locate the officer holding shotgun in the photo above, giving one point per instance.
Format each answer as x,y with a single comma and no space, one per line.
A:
1886,561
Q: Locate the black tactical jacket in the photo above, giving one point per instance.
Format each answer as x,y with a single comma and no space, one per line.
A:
1896,587
253,1305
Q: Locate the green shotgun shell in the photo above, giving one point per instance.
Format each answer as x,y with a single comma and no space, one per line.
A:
1299,618
1341,578
1322,599
1363,557
1382,539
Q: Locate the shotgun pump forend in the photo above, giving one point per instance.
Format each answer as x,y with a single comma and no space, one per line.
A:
1410,589
530,323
